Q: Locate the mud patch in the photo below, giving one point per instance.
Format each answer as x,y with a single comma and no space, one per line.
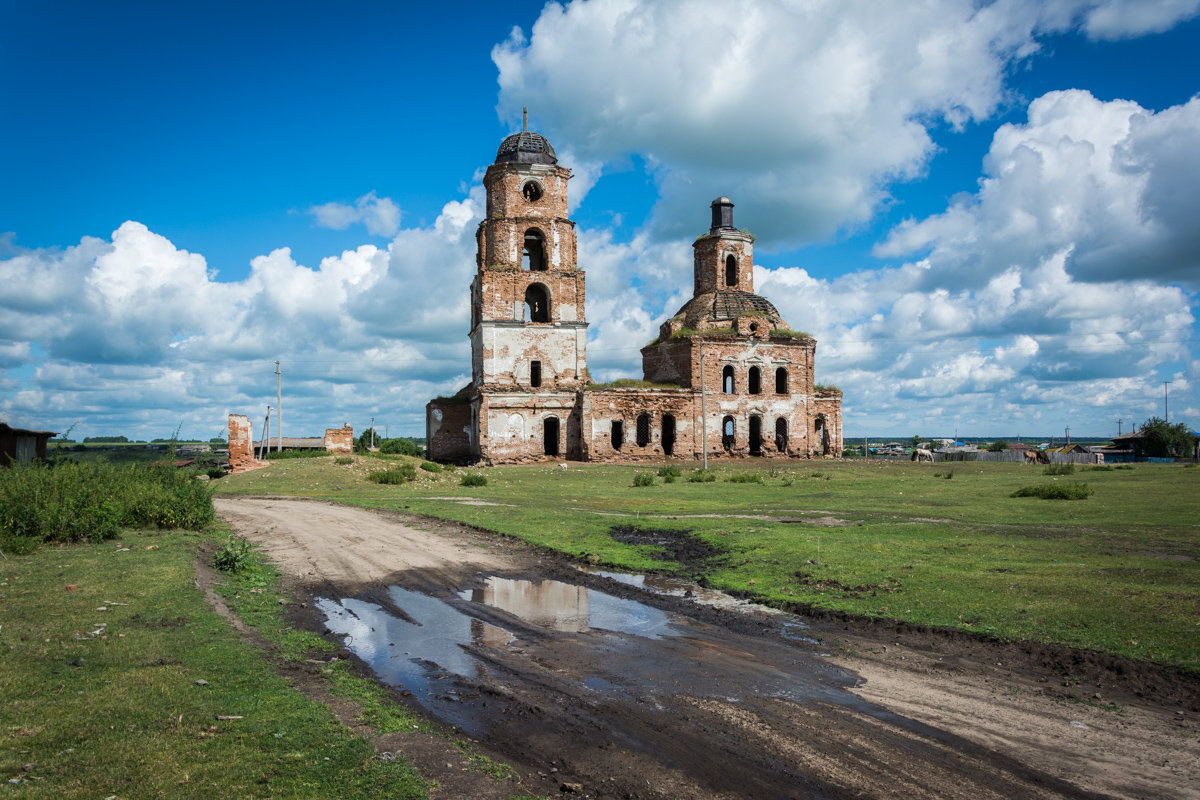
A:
889,585
680,546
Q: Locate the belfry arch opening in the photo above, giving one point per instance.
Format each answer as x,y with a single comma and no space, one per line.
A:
537,303
534,256
731,270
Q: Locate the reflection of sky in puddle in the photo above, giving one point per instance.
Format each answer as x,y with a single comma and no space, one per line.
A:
565,607
415,657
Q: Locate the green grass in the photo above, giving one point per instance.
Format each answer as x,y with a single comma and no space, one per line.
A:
1118,572
106,702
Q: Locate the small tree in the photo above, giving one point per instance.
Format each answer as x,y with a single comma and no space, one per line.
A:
998,446
401,446
363,442
1161,439
916,441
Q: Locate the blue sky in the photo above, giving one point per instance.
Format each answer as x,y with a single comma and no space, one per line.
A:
985,212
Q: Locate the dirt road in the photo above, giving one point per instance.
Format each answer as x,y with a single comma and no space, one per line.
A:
610,690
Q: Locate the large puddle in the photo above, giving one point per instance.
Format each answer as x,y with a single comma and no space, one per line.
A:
550,638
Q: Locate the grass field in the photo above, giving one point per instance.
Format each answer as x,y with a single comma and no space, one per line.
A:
939,544
116,675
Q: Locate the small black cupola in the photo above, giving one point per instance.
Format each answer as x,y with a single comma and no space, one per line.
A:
722,215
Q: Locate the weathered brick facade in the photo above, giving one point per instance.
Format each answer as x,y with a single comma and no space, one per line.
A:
241,444
340,440
732,378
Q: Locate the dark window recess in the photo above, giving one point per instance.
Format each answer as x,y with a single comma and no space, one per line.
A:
534,257
781,435
727,438
537,303
618,434
756,436
532,192
550,436
754,384
643,430
731,276
535,373
668,434
781,382
727,380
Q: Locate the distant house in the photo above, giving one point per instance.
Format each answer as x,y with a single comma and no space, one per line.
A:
1069,448
19,446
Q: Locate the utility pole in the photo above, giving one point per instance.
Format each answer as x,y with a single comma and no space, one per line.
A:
703,409
1119,421
372,433
1166,413
278,409
1068,436
265,442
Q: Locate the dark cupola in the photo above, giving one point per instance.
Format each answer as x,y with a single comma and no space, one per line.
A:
526,147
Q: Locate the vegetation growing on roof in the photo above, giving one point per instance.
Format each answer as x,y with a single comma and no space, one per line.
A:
826,388
791,334
630,383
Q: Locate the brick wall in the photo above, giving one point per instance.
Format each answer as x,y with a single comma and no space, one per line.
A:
340,440
241,444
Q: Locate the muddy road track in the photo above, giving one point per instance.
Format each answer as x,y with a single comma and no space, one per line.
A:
614,691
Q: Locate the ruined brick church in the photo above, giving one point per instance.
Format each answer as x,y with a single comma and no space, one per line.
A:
725,374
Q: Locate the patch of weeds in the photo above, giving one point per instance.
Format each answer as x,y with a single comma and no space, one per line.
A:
344,460
400,473
744,477
473,479
949,474
643,479
1100,468
809,581
816,475
702,476
1056,491
233,556
429,466
670,471
1123,466
481,763
1058,469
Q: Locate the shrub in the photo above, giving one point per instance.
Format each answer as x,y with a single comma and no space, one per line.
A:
1098,468
402,447
429,466
744,477
91,501
1059,469
702,476
643,479
669,471
998,446
233,556
473,479
344,460
1123,466
1056,491
400,473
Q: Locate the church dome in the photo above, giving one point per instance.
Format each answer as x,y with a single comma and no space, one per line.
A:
731,305
526,147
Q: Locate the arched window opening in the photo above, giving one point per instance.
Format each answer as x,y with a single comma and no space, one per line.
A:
727,380
534,257
643,430
754,384
535,374
731,276
537,303
756,435
727,437
618,434
781,435
550,436
781,381
668,434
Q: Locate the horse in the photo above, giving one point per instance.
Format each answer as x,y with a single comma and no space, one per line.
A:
1036,457
921,454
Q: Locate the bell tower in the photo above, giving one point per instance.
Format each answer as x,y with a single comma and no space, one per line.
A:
528,326
723,258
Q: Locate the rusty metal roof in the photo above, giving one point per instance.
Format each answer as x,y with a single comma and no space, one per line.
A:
526,147
730,305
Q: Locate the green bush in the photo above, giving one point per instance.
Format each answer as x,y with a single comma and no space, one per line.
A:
670,471
233,556
344,460
1059,469
429,466
400,473
473,479
702,476
744,477
402,447
1056,491
92,501
643,479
